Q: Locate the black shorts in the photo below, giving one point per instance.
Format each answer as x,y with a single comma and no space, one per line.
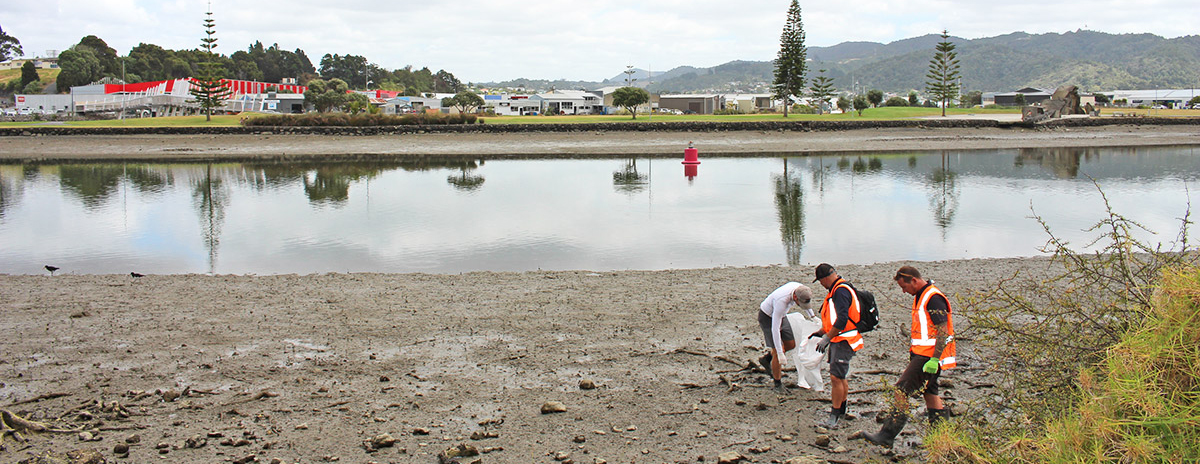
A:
785,330
914,378
839,355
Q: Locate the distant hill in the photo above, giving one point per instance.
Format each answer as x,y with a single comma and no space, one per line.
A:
1088,59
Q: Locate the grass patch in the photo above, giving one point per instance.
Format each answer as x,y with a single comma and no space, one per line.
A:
45,75
1141,405
885,113
174,121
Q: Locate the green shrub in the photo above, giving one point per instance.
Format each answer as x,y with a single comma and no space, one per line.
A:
358,120
896,101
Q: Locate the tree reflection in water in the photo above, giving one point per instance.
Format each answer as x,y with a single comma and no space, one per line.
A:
789,206
628,179
210,197
943,194
466,181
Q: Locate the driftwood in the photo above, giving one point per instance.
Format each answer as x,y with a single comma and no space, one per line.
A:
12,424
35,399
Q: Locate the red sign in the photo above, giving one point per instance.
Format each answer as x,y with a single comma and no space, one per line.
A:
20,99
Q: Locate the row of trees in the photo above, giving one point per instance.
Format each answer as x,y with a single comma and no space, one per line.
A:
791,68
92,60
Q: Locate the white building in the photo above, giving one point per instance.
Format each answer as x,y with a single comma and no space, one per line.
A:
570,102
1173,98
511,105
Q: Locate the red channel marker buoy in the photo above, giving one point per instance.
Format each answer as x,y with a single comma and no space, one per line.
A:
691,155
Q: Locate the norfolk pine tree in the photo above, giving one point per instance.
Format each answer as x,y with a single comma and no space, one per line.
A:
207,88
790,63
943,72
822,89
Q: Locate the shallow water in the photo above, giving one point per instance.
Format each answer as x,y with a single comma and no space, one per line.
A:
448,216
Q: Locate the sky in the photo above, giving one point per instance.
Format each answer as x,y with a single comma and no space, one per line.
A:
591,40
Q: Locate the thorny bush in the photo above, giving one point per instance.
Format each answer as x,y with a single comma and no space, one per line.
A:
1044,327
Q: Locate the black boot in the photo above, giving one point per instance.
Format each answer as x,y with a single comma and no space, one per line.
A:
835,416
936,416
765,361
892,425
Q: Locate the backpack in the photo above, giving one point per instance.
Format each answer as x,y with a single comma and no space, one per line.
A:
868,312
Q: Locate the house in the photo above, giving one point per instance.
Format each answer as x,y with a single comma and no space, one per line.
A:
1032,96
749,102
411,104
570,102
694,104
39,63
511,105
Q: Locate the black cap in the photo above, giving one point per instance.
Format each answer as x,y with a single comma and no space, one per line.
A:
823,270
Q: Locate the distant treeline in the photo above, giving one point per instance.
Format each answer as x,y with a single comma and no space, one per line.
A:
92,60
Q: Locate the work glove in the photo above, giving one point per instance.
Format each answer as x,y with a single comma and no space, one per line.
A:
823,344
931,366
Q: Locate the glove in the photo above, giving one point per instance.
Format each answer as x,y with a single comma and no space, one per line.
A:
823,344
931,366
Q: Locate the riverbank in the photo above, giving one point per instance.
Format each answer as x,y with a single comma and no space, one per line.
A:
287,368
581,143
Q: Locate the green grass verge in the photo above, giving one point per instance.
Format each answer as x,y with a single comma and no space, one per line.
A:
174,121
1143,406
885,113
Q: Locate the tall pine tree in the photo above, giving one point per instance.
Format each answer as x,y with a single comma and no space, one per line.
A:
943,72
207,88
822,90
790,64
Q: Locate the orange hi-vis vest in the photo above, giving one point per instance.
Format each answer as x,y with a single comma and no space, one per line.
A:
924,333
828,316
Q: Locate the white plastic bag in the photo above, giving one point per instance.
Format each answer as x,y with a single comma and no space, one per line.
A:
806,357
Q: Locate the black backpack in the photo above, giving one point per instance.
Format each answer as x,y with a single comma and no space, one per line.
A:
868,312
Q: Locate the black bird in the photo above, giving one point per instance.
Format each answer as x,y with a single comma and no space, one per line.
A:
51,269
136,275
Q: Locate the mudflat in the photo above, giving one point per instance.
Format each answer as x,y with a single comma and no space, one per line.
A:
397,368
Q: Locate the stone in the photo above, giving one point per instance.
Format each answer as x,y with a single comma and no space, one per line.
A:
579,439
133,439
551,407
86,436
805,460
420,431
303,426
481,435
121,448
461,450
840,449
562,456
822,441
587,384
170,395
383,440
731,457
196,441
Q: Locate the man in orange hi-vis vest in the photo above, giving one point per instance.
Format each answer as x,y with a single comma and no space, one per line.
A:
839,337
930,351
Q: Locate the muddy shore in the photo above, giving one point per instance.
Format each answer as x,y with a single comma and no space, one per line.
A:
310,369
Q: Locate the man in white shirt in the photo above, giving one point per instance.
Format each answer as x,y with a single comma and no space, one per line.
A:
777,332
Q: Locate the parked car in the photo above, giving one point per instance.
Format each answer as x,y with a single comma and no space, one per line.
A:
10,111
25,111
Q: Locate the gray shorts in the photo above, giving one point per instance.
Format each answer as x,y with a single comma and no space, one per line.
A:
840,354
785,330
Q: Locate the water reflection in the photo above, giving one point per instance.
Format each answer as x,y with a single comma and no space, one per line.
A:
210,197
943,194
628,180
789,201
1063,162
407,215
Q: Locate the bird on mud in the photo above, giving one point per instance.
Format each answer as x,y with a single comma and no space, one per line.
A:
136,275
51,269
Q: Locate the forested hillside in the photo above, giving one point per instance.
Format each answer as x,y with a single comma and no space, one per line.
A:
1091,60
